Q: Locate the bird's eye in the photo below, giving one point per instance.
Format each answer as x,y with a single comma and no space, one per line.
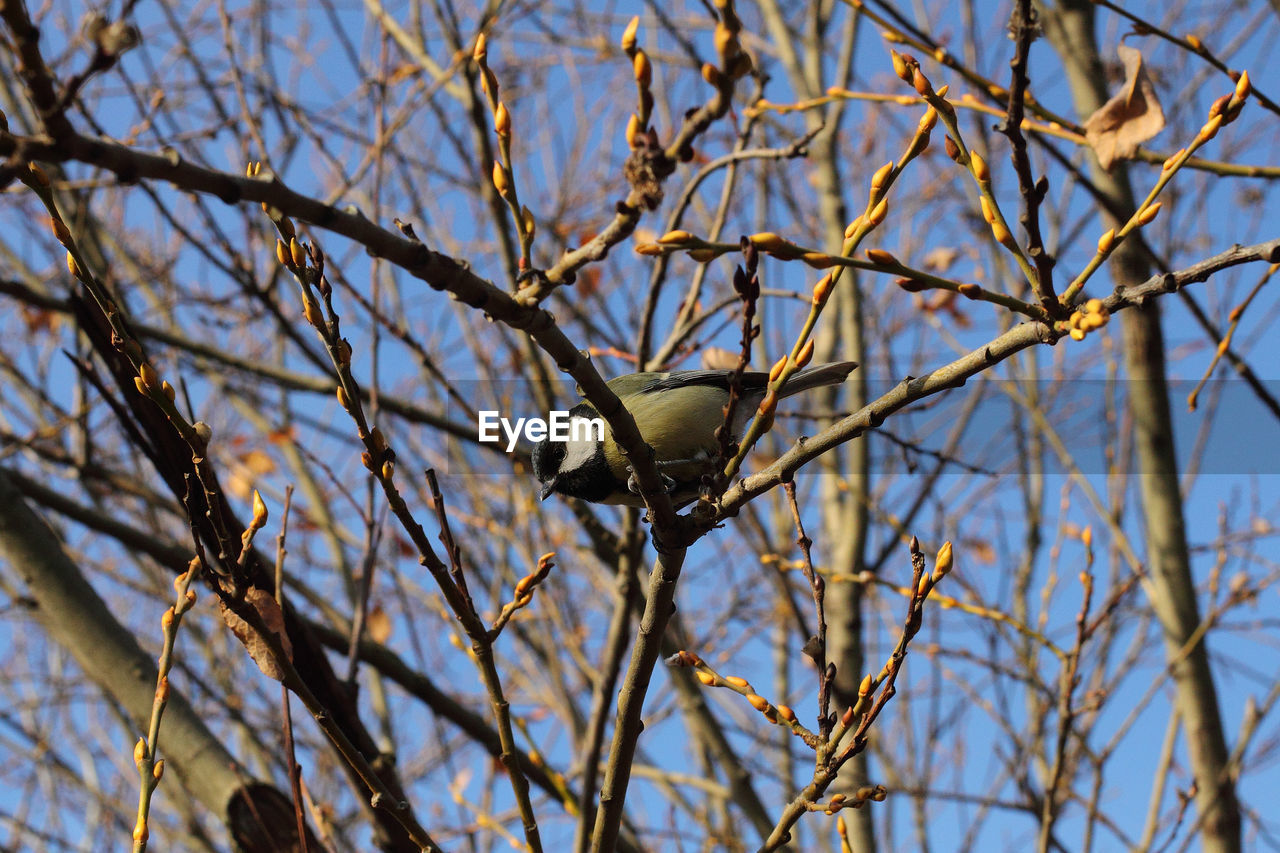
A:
547,456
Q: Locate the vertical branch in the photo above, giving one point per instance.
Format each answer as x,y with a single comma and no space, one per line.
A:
1067,711
746,283
1024,26
816,646
626,588
291,756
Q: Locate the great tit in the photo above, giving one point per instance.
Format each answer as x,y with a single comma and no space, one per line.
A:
677,414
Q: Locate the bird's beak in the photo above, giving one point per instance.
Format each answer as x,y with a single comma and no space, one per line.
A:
547,488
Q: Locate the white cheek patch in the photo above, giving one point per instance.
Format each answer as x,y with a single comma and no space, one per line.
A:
578,453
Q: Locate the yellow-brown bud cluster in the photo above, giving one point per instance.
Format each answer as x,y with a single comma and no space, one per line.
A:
1092,315
1227,108
642,72
684,658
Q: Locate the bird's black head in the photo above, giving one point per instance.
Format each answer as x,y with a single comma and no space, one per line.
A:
576,468
547,456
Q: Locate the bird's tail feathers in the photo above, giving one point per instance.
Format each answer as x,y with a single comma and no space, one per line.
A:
831,373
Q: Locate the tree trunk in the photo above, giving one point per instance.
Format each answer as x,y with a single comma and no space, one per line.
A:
1070,28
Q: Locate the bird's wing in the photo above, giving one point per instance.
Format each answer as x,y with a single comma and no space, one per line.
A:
752,380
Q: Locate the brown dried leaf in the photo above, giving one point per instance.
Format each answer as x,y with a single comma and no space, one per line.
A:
719,358
239,484
39,320
940,300
1130,118
980,550
588,281
284,435
258,462
379,624
273,618
940,259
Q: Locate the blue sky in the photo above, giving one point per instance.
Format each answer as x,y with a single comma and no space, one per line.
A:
560,164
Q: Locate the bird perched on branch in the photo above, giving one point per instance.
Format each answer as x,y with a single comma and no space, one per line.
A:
678,414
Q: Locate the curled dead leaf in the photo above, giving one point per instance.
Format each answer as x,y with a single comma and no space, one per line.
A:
379,624
1130,118
719,358
264,604
940,258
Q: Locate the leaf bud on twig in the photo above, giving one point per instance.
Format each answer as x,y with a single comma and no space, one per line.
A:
900,66
1243,86
806,354
768,241
987,212
880,176
203,432
1147,214
1107,241
148,375
643,69
879,212
500,181
822,289
1001,232
921,83
1210,129
943,562
60,230
726,41
629,35
980,169
259,512
952,149
38,175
